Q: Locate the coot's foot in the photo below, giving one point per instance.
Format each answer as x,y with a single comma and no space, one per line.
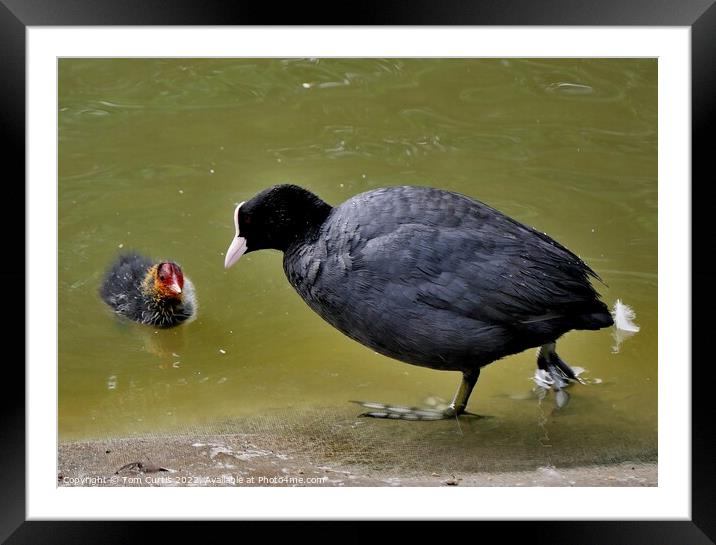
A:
399,412
456,408
554,374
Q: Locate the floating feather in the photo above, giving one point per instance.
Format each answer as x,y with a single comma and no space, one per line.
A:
624,317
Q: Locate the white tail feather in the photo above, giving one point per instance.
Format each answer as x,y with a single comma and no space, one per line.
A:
624,317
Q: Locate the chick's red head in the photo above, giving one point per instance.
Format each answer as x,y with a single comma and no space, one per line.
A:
169,280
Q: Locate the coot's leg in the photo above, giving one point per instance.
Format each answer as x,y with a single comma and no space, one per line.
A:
456,407
554,373
459,402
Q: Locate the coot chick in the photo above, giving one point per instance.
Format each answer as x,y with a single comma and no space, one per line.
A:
148,292
428,277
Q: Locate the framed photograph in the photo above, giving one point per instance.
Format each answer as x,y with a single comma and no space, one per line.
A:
437,268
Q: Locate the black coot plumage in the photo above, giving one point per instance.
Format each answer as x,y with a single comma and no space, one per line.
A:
426,276
148,292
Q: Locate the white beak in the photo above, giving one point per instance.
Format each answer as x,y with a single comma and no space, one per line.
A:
235,251
238,245
175,287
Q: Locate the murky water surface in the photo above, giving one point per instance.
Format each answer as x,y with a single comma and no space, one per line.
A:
154,155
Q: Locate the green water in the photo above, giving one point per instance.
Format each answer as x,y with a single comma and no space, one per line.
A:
154,155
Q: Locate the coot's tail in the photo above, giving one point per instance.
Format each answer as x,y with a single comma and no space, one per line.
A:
596,320
592,315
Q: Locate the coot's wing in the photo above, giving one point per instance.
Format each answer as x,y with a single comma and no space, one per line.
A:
449,252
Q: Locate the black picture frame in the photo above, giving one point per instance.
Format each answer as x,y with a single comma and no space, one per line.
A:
16,15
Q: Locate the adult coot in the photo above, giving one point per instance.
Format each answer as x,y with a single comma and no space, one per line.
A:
426,276
148,292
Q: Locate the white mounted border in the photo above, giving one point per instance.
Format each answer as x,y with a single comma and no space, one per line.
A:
670,500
